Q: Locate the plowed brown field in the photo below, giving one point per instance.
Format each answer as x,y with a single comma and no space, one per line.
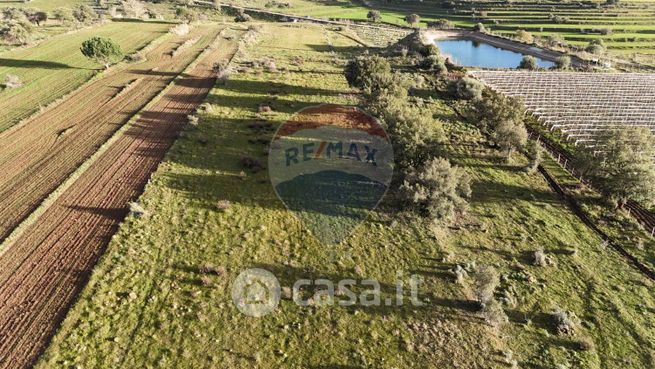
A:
48,264
38,155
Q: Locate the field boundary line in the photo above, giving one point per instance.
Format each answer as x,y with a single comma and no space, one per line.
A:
53,104
575,207
72,178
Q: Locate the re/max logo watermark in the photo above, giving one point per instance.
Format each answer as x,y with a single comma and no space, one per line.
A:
313,151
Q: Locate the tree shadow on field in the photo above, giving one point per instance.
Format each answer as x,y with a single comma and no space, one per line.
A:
150,72
497,192
446,308
34,64
128,20
347,50
244,86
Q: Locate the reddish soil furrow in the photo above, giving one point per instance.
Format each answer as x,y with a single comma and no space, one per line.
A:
42,272
38,155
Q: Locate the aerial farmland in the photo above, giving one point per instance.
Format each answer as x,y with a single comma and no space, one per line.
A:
327,184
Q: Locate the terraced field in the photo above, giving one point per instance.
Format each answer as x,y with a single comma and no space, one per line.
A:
628,28
56,67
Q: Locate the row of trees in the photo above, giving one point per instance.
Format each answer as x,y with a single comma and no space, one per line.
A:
425,181
499,117
621,164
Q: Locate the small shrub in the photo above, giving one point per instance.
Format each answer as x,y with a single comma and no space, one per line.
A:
251,163
539,258
186,14
264,109
12,81
102,50
585,344
193,120
442,24
466,88
223,75
17,32
479,27
534,153
205,108
63,15
524,36
242,17
137,210
206,281
529,62
494,314
364,71
223,205
134,9
486,279
208,268
136,57
563,62
596,47
434,63
564,322
437,189
413,19
84,13
374,16
459,273
180,29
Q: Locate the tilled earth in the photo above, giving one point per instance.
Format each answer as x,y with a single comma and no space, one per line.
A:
44,269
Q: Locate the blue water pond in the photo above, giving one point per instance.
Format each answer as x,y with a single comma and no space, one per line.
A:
468,53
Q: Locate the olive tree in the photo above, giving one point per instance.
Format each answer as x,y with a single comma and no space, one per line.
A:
620,164
102,50
479,27
363,72
596,47
134,9
17,32
36,16
414,133
84,13
374,16
529,62
413,19
524,36
501,118
437,189
466,88
63,15
563,62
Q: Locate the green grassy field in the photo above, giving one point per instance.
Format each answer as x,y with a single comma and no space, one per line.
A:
149,305
55,67
630,25
47,5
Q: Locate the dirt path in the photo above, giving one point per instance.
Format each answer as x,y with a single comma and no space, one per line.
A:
44,270
38,155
